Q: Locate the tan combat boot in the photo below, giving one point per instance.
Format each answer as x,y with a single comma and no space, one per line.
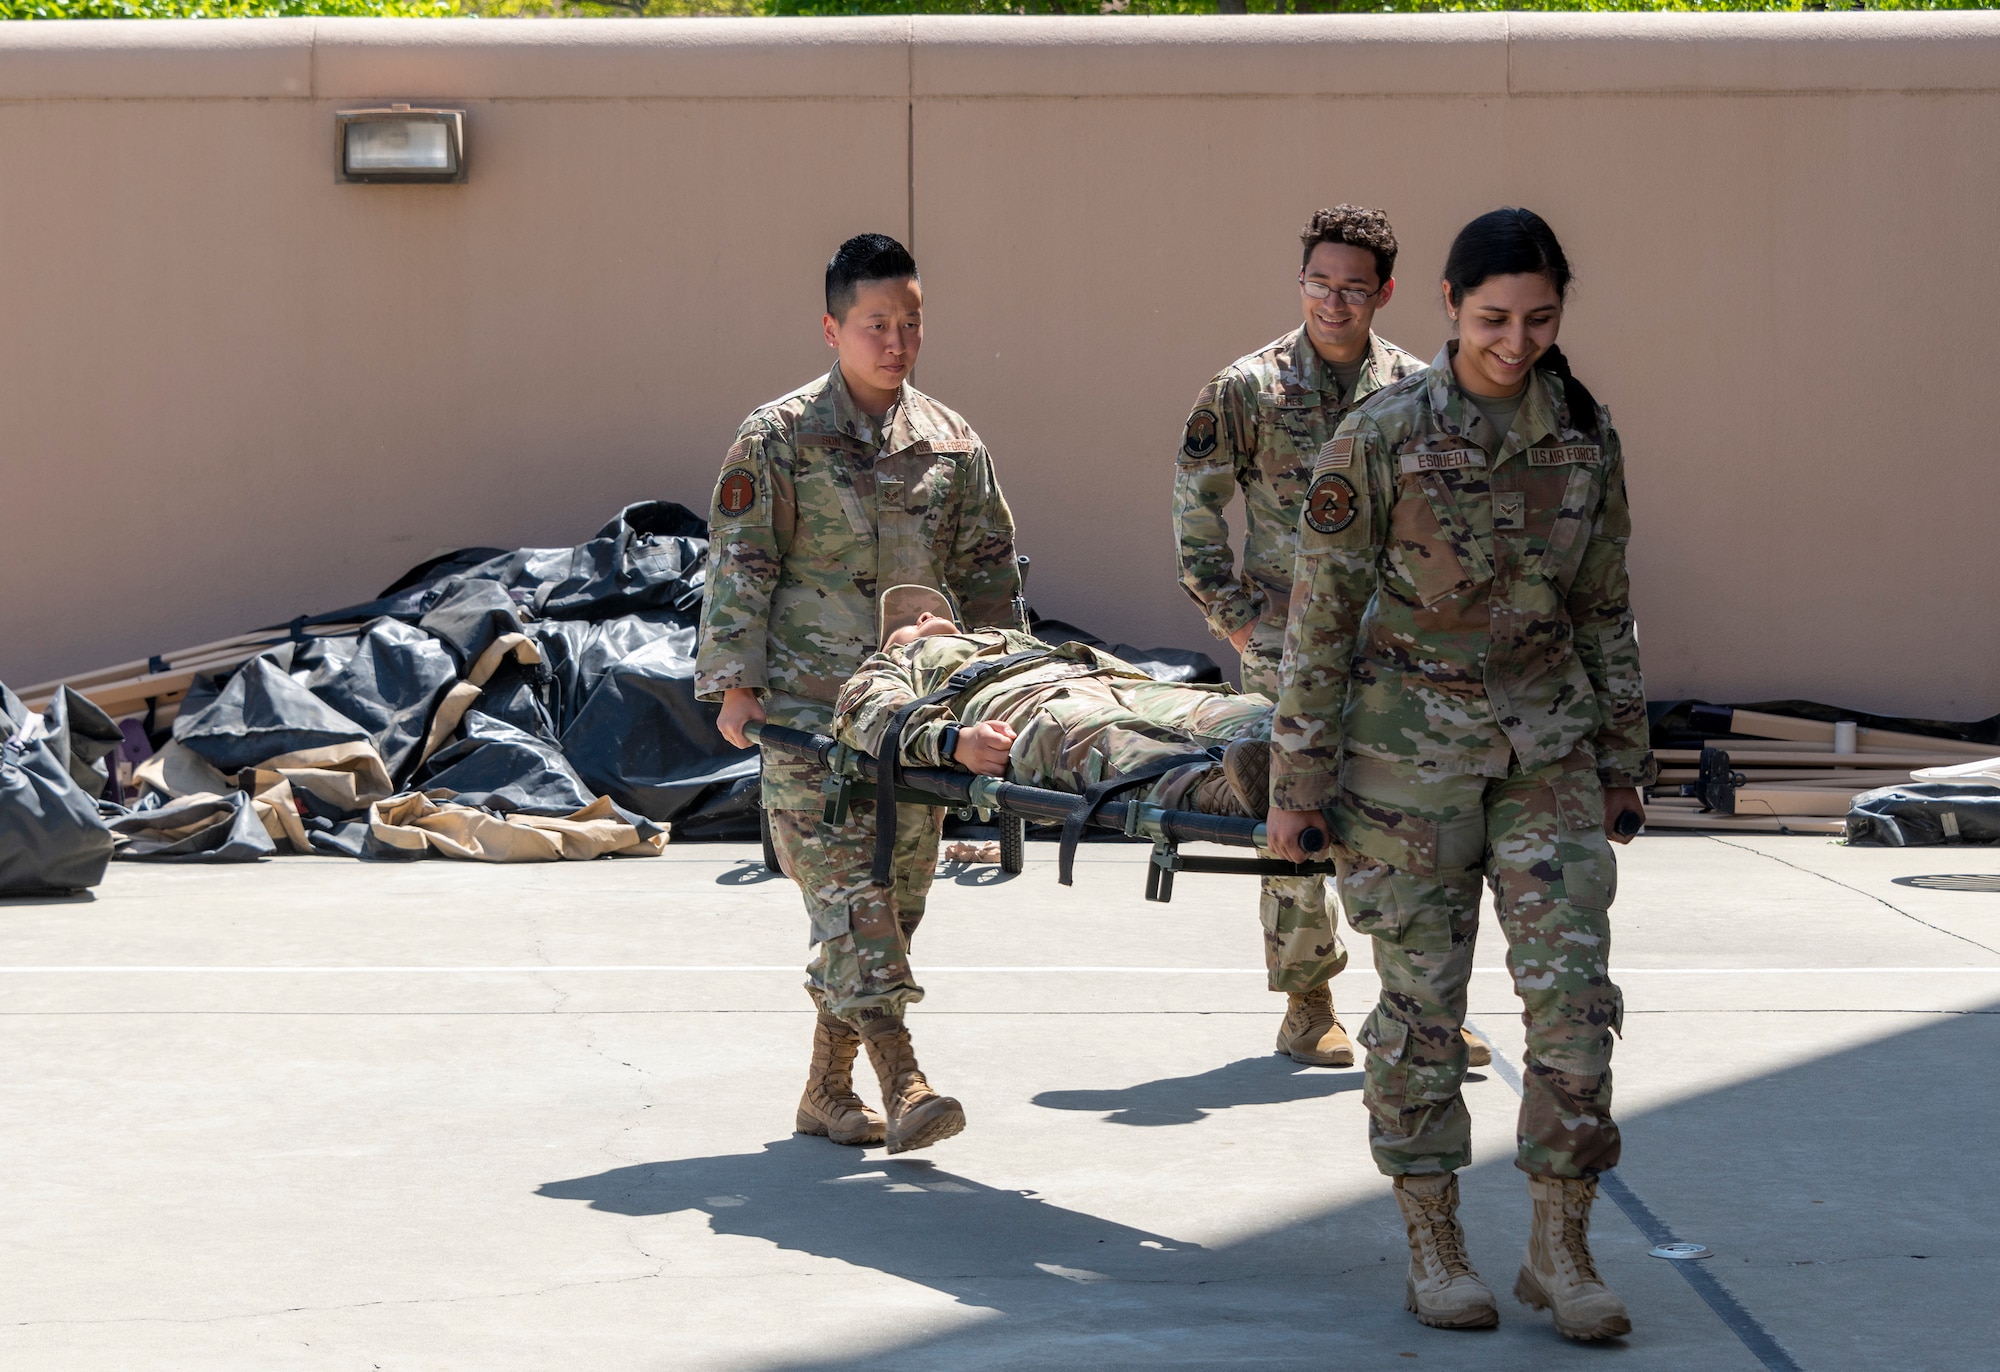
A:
918,1115
1247,764
829,1106
1559,1275
1311,1032
1478,1052
1212,794
1442,1290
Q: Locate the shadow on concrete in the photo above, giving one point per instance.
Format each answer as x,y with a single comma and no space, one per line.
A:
749,872
1985,882
1845,1197
906,1217
964,874
1268,1080
48,898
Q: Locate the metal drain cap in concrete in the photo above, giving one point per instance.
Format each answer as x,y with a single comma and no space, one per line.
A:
1682,1252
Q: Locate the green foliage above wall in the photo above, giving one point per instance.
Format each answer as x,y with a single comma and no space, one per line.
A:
272,9
222,9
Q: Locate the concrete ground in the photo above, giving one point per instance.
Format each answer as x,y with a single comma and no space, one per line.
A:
316,1114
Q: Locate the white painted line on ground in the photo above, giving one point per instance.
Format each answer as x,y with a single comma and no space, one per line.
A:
789,969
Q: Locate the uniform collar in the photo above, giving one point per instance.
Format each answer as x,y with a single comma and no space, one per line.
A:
908,423
1303,369
842,415
1540,416
1380,365
1300,367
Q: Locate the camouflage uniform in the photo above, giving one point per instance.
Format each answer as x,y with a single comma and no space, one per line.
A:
818,508
1079,716
1259,426
1461,681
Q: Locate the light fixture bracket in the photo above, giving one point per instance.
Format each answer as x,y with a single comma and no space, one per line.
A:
399,145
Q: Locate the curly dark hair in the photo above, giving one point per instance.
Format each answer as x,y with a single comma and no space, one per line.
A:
1358,227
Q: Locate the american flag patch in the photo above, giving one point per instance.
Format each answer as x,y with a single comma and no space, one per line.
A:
1338,452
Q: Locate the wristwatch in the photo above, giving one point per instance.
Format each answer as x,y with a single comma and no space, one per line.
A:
948,745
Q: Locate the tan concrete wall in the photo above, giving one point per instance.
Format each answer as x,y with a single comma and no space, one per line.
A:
232,391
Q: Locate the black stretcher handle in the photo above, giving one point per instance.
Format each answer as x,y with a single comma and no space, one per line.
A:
1031,802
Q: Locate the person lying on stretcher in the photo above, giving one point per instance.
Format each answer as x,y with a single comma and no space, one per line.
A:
1063,717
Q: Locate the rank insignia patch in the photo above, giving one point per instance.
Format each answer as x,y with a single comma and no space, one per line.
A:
1200,434
1330,504
737,493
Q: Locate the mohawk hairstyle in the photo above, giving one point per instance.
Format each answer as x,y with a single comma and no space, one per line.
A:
864,257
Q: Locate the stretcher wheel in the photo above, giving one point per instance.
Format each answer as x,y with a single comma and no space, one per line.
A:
770,848
1013,844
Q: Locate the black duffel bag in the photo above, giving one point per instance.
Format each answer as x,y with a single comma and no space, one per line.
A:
1926,813
51,838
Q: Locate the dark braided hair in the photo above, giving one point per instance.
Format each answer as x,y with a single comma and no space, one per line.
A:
1511,242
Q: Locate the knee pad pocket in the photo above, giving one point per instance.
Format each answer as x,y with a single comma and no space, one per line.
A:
1589,872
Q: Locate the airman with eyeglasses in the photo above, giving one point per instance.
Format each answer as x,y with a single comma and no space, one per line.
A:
1258,428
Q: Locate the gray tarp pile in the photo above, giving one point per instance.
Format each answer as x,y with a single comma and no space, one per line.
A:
502,706
51,764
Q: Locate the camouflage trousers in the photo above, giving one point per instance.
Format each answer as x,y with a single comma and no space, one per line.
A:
1070,735
1302,947
861,932
1421,845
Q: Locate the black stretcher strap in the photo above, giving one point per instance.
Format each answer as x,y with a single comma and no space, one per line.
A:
889,760
1095,796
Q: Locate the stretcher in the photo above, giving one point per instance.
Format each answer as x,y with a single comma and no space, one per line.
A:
986,798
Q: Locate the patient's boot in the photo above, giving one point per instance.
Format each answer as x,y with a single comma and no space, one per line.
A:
1441,1289
1214,793
918,1115
1311,1032
829,1106
1559,1275
1479,1053
1247,764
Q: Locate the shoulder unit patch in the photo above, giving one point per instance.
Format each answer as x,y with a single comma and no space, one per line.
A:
1200,441
1330,504
736,494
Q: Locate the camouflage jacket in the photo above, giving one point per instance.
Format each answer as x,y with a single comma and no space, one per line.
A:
815,512
1259,426
1456,612
892,679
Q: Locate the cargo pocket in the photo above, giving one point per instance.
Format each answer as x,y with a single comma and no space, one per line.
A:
1387,1040
1589,872
1369,895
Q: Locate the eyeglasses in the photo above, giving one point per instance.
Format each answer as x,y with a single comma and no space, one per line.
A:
1349,295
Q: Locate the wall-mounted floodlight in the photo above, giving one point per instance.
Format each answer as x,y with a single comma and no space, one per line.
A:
400,145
